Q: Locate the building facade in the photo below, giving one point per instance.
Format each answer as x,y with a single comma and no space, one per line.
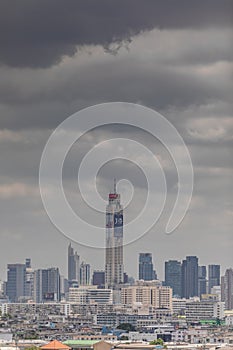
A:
227,289
98,278
16,280
73,265
47,285
145,268
173,276
202,281
85,274
189,277
159,297
213,276
114,268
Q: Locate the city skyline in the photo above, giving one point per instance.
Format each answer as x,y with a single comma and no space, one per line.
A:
184,280
101,269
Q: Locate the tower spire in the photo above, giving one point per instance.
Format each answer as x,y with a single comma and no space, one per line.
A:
114,185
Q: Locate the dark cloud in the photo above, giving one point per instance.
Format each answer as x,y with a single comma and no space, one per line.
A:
39,33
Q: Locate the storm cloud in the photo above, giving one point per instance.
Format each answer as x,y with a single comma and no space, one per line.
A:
39,33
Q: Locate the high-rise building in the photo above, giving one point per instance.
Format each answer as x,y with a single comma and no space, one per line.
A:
227,289
98,278
146,269
46,285
28,263
173,276
15,287
114,269
73,265
85,274
213,276
189,277
202,281
29,282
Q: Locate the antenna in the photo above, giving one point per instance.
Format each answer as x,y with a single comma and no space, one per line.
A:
114,188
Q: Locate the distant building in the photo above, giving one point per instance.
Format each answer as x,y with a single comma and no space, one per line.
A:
159,297
189,277
64,285
73,265
47,285
213,276
204,310
16,277
126,278
85,274
173,276
227,289
28,263
202,280
146,269
89,295
98,278
179,305
216,290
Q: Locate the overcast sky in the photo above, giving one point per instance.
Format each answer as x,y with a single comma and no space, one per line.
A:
174,56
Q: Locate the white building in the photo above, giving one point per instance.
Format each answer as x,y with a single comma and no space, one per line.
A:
216,290
179,305
85,274
159,297
204,310
90,295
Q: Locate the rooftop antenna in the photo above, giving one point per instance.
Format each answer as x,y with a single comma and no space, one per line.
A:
114,186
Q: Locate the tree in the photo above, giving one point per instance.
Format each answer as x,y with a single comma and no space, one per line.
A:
126,327
124,337
158,341
33,347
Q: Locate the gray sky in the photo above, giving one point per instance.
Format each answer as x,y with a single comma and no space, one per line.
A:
174,56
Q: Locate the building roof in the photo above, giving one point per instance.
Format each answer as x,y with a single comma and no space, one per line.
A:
77,343
55,345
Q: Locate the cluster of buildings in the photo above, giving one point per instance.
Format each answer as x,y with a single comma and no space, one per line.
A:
46,302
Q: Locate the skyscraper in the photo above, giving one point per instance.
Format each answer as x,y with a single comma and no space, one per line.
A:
189,277
85,274
227,289
146,270
73,265
46,285
29,283
16,277
213,276
173,276
202,282
114,268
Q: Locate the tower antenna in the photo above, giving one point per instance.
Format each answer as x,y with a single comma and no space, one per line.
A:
114,186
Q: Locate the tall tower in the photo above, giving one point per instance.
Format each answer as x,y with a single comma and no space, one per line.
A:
85,274
227,289
114,269
189,277
73,265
